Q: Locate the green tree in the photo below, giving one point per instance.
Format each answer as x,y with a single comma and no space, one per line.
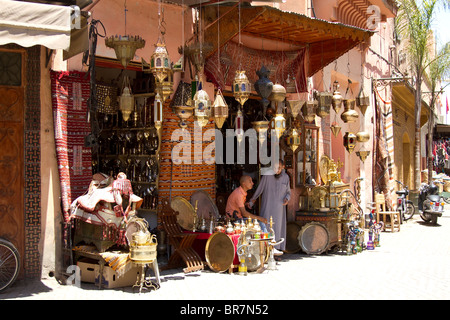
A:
414,22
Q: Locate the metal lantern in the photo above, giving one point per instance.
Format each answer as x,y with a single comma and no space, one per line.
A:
362,155
182,104
335,129
261,128
309,110
126,103
263,85
349,141
239,126
125,47
324,103
362,101
220,109
241,87
160,62
349,114
158,111
362,136
202,107
296,106
336,100
293,140
278,123
278,93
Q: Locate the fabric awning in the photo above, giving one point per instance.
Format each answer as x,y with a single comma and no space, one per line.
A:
324,41
28,24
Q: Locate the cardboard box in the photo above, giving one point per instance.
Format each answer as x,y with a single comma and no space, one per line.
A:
87,270
111,279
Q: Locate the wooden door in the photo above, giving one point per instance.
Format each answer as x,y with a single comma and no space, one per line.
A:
11,148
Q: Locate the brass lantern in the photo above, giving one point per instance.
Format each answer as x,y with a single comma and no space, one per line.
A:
125,47
362,154
293,140
278,123
296,106
160,62
182,104
261,128
335,128
309,110
349,141
336,100
324,103
126,104
220,109
349,114
362,101
239,126
158,111
202,107
241,87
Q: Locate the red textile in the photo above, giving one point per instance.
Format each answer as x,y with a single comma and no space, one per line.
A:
70,93
251,60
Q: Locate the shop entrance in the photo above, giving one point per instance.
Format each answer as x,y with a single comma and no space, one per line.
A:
11,146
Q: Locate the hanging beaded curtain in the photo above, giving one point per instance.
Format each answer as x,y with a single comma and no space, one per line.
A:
222,72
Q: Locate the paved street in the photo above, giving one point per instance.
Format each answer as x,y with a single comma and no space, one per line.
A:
411,264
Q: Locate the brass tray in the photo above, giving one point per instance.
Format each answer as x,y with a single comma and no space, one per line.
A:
186,214
314,238
292,230
219,252
205,205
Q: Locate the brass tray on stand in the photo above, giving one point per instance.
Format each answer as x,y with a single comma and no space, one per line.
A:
314,238
186,213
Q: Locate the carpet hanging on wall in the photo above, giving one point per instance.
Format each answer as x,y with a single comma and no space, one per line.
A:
70,94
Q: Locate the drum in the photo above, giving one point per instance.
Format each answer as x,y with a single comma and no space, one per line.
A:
219,252
314,238
292,230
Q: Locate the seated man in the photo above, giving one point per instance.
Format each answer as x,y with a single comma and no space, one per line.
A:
235,208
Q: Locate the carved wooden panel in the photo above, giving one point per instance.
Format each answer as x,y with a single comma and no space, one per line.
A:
12,165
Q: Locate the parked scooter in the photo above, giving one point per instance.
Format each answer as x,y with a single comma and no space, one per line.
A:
431,206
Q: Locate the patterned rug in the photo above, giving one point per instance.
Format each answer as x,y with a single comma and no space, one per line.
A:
70,93
183,179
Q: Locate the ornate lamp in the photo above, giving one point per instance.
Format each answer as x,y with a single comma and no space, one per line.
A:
158,111
182,103
241,87
362,154
309,110
349,141
293,140
349,114
335,129
125,47
324,103
202,107
220,109
362,101
263,86
336,100
160,62
126,103
278,123
261,128
239,125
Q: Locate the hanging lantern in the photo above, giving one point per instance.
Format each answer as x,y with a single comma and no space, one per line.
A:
261,128
278,93
165,88
349,141
263,86
335,129
296,106
182,104
158,111
362,136
324,103
160,62
125,47
241,87
278,123
362,101
220,109
349,114
293,140
336,100
362,155
126,104
202,107
309,110
239,126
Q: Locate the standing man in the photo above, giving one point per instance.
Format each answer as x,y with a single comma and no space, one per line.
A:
235,208
276,192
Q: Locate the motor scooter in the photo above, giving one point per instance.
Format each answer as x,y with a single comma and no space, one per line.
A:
431,205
